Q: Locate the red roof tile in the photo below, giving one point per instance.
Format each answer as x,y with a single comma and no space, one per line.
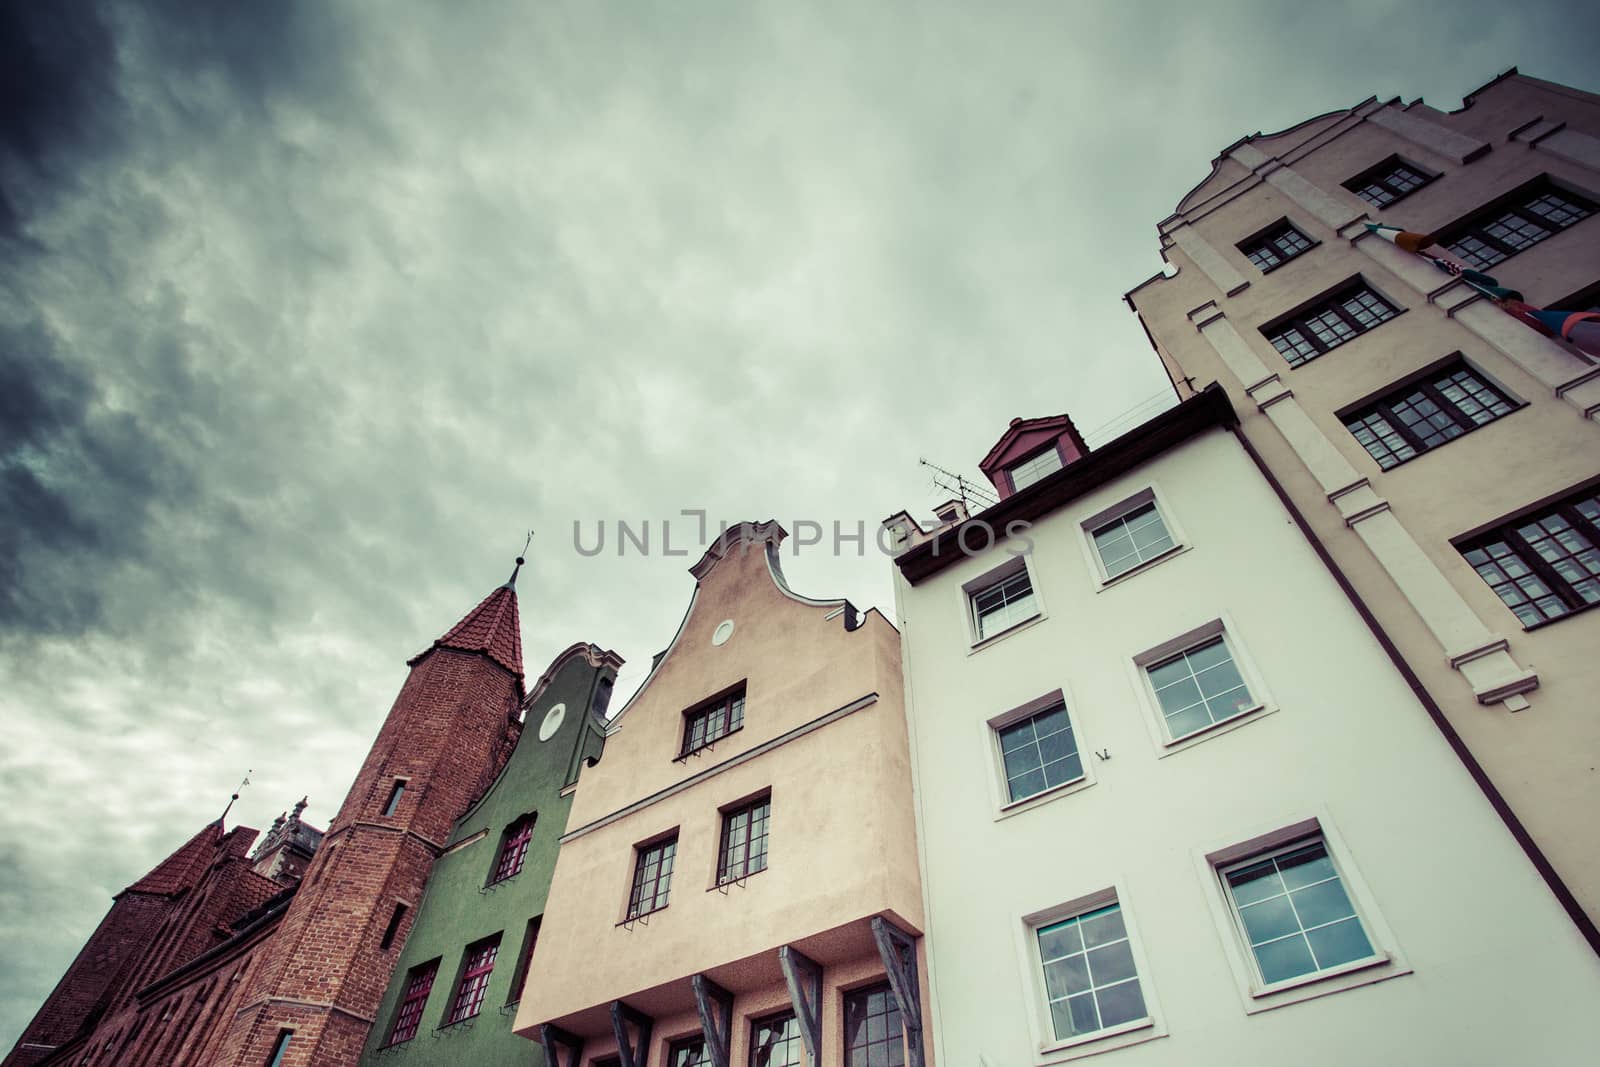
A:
493,628
182,869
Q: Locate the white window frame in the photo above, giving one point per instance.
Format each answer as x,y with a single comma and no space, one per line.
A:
1054,448
1000,789
1220,626
1013,565
1257,995
1151,494
1047,1047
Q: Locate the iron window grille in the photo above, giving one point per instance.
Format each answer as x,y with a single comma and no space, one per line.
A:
1035,468
1324,326
1536,212
1393,179
1294,912
1546,565
652,877
409,1017
1276,246
1199,687
1090,977
705,725
476,968
744,841
775,1042
688,1052
1128,540
873,1032
514,849
1420,417
1004,604
1039,753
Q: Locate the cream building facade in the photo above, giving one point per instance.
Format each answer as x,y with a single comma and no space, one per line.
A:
1175,802
738,883
1446,455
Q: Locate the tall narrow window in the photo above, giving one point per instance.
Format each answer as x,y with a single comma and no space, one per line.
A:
1090,978
395,793
1547,564
1003,604
279,1048
1294,913
476,967
873,1033
519,977
513,849
775,1042
1422,416
419,983
396,917
713,721
744,841
652,877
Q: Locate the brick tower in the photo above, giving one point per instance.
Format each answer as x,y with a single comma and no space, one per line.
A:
313,997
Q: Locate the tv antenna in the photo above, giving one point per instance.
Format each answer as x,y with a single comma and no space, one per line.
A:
967,491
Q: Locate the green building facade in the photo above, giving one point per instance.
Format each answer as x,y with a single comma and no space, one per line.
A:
453,993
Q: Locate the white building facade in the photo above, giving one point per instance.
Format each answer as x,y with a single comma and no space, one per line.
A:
1177,805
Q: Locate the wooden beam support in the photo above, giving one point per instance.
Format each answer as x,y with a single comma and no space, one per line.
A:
632,1051
803,976
554,1039
709,998
899,953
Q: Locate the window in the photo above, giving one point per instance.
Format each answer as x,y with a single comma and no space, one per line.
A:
1391,180
395,793
1294,913
1035,468
279,1047
744,841
873,1033
1276,246
1003,603
652,877
418,985
519,977
1324,326
1422,416
395,919
1521,220
1039,752
1091,981
775,1042
476,967
1199,687
513,849
688,1052
1130,539
1546,565
711,722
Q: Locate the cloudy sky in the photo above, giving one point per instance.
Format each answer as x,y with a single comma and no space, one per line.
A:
309,311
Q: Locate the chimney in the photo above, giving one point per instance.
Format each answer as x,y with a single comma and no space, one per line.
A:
951,512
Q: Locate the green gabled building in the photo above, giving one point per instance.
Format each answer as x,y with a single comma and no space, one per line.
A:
459,973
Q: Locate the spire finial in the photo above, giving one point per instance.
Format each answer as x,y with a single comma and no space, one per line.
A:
236,792
299,808
511,582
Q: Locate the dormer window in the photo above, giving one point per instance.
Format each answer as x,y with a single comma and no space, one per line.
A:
1035,468
712,721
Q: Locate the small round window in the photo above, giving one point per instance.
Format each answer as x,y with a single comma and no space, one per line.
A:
552,722
724,630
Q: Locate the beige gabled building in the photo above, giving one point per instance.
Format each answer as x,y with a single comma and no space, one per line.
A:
1445,456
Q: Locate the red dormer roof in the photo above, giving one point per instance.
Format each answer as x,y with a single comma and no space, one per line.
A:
1024,438
182,870
492,628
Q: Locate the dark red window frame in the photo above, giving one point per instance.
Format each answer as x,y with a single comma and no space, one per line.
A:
475,971
514,850
409,1017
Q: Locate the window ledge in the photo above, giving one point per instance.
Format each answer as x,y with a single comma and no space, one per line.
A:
1379,968
1055,792
643,915
1007,632
1122,576
1115,1037
735,882
683,757
1217,729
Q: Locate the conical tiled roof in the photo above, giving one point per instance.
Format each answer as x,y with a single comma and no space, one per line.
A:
183,868
492,628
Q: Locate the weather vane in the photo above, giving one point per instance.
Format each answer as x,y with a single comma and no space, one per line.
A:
248,772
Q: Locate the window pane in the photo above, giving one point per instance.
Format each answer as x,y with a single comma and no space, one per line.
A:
1199,687
1089,989
1296,914
874,1033
1032,470
1003,604
1039,752
775,1042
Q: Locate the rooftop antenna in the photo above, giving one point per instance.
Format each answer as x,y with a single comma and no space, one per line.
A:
951,482
248,772
511,582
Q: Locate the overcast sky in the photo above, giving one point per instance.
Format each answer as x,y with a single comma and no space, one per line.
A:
308,312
